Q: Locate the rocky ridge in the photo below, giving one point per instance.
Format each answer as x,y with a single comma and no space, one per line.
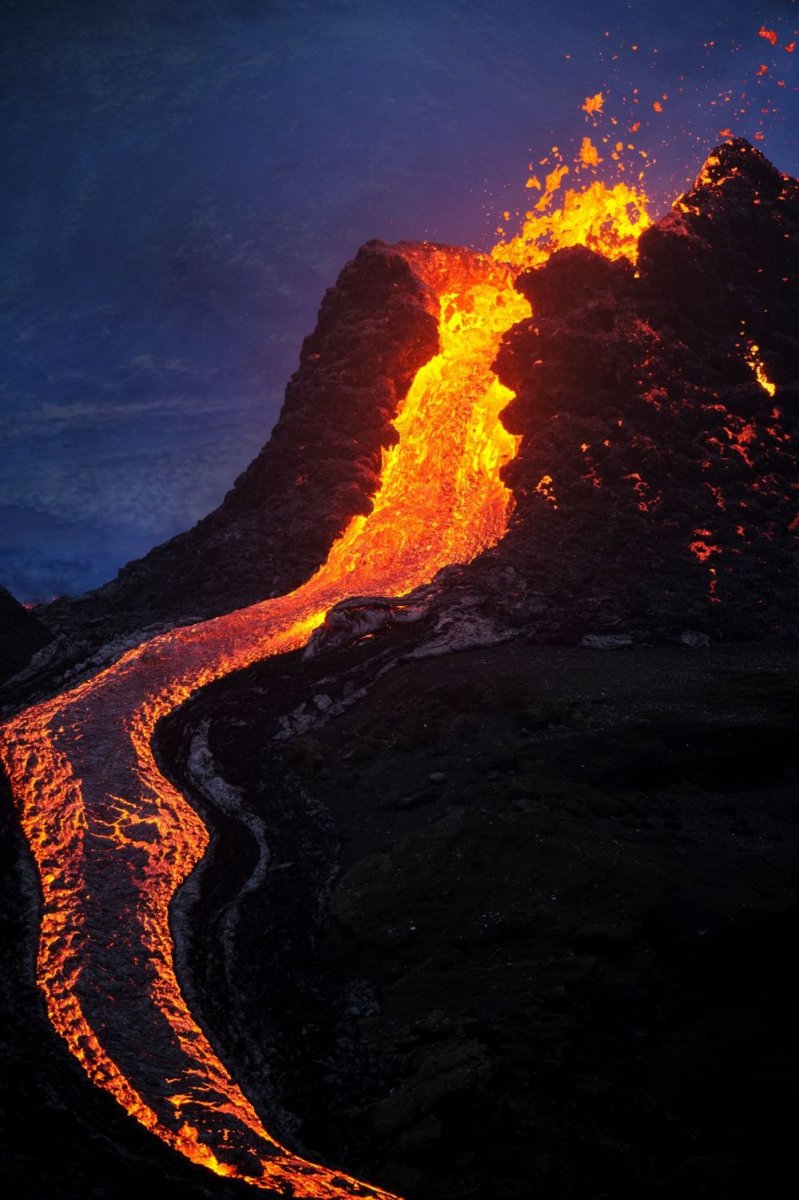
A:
656,482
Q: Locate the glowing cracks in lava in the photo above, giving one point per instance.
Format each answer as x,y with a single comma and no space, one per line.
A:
646,499
703,550
702,547
546,488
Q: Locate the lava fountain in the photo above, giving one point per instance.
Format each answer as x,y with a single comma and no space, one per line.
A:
113,839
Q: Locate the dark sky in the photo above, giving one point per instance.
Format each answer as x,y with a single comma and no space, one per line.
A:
183,178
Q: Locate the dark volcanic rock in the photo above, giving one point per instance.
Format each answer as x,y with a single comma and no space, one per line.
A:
553,960
21,635
726,257
656,482
562,970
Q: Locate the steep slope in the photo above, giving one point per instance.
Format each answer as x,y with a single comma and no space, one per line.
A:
552,959
114,840
319,468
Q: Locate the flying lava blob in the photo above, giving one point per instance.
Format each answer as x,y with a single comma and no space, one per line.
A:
113,839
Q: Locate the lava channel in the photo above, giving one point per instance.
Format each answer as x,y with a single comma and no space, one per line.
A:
113,839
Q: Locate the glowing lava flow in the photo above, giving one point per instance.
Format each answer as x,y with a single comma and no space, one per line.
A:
607,220
754,360
113,839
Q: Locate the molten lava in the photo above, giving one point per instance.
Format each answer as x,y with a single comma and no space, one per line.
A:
607,220
756,363
113,839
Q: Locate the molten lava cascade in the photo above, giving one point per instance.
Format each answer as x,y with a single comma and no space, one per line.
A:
113,839
321,466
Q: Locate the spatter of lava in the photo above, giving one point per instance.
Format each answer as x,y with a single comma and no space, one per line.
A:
113,839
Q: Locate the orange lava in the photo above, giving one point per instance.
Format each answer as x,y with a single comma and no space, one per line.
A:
113,839
608,220
758,369
593,104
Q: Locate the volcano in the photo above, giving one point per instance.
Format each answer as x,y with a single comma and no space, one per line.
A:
503,888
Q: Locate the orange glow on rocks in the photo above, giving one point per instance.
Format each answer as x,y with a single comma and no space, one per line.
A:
114,840
545,487
702,547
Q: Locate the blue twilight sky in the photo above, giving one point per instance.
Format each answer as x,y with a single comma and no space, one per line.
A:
184,178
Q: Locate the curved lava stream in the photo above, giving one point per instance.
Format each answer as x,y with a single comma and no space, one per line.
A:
113,839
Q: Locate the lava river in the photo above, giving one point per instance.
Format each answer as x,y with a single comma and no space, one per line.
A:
113,839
